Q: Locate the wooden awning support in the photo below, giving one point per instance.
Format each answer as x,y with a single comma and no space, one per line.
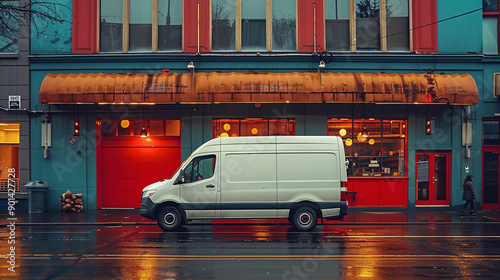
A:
257,88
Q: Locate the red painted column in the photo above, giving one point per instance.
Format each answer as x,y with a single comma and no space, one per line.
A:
311,26
196,23
84,26
424,26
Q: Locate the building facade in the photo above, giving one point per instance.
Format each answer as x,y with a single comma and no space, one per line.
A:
14,101
128,89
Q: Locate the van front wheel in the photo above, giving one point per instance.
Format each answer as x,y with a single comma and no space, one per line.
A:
304,218
169,219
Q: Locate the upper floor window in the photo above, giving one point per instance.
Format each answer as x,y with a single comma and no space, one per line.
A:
367,25
140,26
254,25
491,15
9,34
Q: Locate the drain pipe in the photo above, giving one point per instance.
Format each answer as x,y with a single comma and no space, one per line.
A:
468,131
46,135
314,23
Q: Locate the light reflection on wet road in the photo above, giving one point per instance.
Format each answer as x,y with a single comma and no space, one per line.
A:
466,251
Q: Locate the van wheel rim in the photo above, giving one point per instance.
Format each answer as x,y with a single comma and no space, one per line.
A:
169,219
304,219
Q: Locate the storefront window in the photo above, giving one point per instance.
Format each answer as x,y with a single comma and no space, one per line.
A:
9,155
373,147
133,127
252,127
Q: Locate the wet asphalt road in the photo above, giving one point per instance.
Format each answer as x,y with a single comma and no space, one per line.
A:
335,251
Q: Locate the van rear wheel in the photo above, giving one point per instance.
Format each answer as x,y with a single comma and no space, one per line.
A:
169,219
304,218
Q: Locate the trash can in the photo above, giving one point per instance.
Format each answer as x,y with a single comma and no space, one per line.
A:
36,196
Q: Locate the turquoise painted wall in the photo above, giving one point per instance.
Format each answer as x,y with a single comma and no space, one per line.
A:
458,30
48,37
64,170
67,167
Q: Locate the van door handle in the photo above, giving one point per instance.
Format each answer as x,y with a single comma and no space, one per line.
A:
210,186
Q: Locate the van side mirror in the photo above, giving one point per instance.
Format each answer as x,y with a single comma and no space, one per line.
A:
181,176
180,179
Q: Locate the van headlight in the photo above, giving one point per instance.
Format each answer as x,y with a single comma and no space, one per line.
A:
148,193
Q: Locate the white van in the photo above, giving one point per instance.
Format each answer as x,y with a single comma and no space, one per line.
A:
301,178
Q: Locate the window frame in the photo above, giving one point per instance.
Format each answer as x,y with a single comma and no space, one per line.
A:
489,120
236,124
357,161
194,164
497,16
495,85
382,27
126,25
269,28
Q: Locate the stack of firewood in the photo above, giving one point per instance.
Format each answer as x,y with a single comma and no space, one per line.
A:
71,202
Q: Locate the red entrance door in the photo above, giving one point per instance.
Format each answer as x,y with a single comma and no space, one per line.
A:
491,178
128,162
432,179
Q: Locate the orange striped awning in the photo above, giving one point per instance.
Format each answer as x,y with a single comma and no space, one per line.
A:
257,88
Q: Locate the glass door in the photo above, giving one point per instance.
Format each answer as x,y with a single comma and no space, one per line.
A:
490,179
432,179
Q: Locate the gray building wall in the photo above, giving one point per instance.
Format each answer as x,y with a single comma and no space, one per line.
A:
14,80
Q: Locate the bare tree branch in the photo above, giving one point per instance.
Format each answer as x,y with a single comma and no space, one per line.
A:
36,12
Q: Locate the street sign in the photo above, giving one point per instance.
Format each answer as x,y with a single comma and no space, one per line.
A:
14,102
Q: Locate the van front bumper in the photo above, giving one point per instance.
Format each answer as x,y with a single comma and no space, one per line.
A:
148,208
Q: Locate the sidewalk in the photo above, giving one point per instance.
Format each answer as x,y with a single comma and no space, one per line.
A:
108,217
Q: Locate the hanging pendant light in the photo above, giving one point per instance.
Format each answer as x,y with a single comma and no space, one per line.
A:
364,132
143,132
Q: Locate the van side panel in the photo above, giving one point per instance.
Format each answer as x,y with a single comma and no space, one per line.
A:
248,188
308,176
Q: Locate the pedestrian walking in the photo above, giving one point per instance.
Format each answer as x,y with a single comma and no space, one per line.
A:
469,195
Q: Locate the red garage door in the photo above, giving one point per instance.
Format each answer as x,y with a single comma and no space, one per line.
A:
128,163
